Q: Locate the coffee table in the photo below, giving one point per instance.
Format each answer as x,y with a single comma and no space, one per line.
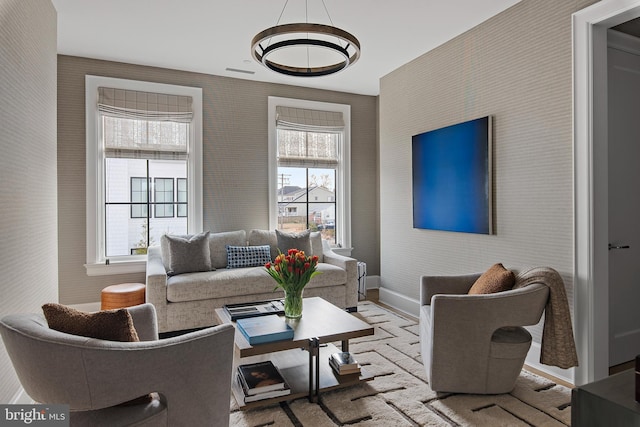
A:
307,373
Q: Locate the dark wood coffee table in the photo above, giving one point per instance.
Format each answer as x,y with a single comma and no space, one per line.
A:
307,373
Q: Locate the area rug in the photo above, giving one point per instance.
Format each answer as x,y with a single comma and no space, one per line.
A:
400,395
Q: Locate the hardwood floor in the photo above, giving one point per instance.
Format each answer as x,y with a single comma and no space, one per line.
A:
373,295
622,367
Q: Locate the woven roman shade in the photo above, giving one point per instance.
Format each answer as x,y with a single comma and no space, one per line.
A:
309,120
131,104
144,125
308,138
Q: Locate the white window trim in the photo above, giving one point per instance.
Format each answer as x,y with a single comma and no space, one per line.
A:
343,172
96,265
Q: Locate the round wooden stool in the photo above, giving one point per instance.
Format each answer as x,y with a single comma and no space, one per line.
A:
123,295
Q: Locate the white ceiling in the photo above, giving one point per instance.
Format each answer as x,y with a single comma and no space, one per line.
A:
209,36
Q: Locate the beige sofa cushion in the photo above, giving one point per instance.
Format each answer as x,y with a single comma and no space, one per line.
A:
226,283
266,237
217,247
299,241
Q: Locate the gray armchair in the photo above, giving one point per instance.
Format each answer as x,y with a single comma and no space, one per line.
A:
475,343
191,373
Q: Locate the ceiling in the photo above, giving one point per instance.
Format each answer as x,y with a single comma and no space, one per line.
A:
214,36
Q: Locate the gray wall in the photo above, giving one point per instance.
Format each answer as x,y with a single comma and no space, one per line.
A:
235,161
516,66
28,206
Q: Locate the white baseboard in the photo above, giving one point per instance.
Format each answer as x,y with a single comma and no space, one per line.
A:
412,306
372,282
399,302
533,360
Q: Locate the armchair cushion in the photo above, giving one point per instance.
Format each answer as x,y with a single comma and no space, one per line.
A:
189,254
495,279
110,325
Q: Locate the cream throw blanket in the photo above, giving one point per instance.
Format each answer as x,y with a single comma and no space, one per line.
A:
558,345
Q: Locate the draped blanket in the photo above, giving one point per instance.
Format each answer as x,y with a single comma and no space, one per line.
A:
558,345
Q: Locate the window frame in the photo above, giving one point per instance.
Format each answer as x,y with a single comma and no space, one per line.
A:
343,170
97,264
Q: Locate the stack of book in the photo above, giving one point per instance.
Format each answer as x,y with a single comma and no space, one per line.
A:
261,380
343,363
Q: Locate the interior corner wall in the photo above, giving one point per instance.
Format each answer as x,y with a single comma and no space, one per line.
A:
235,162
28,206
517,67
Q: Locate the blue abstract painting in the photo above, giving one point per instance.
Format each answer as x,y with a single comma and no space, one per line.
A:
452,178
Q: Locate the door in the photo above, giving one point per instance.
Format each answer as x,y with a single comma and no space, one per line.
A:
624,206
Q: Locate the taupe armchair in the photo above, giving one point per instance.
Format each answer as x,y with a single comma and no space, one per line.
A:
191,373
475,343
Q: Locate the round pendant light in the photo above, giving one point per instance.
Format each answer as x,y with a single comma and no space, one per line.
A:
270,47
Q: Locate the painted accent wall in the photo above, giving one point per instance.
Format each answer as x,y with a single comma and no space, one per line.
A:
28,167
517,67
234,164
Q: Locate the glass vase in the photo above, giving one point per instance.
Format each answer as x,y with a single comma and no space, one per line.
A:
293,304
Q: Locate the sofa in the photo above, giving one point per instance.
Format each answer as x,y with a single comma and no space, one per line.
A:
188,300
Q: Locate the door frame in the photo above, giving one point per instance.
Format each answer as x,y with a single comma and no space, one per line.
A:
591,303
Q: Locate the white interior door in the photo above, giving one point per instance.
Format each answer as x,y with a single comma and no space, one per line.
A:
624,206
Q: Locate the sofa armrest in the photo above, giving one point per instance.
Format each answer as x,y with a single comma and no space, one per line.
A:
434,285
156,292
350,265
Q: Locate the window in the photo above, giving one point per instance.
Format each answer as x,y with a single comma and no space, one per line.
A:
163,191
309,146
143,141
182,197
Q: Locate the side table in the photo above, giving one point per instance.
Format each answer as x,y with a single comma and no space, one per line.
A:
121,296
607,402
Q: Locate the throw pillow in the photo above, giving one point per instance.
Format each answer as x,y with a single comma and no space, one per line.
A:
218,243
248,256
495,279
189,254
111,325
264,237
316,245
299,241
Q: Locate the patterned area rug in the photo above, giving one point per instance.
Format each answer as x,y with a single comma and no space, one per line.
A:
400,395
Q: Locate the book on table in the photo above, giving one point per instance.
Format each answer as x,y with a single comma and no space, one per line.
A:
261,380
264,329
252,309
343,363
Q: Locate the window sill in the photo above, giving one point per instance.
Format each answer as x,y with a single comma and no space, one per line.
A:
342,251
120,267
